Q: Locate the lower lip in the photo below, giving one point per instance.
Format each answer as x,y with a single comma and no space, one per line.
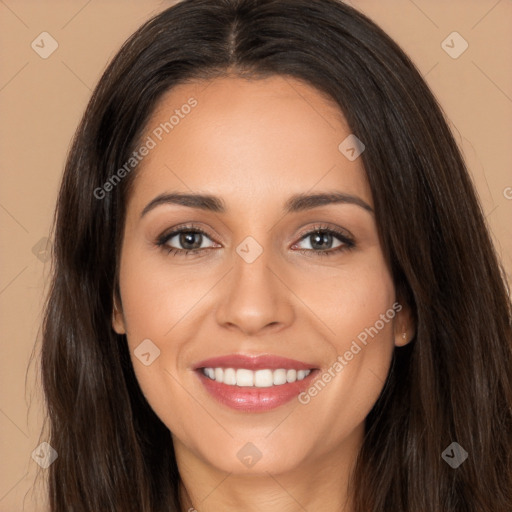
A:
252,399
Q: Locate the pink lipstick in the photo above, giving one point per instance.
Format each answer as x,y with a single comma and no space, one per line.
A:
254,383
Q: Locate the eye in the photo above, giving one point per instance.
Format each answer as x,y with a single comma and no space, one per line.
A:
190,238
321,239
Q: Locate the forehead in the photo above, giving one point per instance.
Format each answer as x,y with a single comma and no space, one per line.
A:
247,139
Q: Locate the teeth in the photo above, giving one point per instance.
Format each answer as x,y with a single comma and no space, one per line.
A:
229,377
259,378
244,377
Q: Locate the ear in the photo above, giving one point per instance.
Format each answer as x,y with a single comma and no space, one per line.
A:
118,319
404,326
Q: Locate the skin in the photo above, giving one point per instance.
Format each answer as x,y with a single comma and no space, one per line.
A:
254,144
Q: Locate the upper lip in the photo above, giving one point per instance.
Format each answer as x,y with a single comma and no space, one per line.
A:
259,362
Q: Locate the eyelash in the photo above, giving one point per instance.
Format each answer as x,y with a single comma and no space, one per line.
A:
347,242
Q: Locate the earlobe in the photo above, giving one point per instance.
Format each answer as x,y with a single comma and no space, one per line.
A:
403,339
404,328
118,320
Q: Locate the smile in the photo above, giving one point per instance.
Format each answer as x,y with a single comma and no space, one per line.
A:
264,378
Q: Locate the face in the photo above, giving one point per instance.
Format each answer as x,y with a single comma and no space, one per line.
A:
256,270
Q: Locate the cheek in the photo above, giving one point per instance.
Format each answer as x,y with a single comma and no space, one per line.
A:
158,305
366,327
155,299
357,309
350,298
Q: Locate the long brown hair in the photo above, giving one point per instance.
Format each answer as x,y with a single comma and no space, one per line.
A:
452,383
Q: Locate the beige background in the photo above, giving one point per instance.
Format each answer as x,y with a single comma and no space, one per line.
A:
42,100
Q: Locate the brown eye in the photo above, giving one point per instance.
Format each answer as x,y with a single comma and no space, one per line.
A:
321,240
184,240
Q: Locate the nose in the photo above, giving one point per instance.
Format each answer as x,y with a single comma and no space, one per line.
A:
255,298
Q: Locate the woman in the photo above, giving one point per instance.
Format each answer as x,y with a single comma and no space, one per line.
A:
274,288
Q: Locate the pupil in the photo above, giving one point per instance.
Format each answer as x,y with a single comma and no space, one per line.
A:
187,238
323,237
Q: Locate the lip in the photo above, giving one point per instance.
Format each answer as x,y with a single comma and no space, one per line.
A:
260,362
253,399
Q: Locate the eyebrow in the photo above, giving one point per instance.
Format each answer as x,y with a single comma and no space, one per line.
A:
296,203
